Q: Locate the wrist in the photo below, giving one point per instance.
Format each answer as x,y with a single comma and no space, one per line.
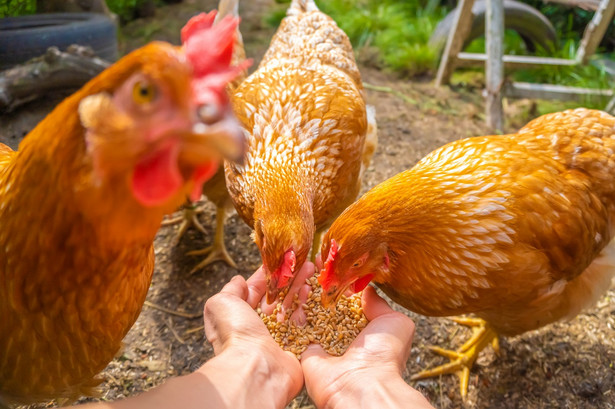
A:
368,391
246,379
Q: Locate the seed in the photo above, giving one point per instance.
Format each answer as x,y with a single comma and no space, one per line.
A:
333,330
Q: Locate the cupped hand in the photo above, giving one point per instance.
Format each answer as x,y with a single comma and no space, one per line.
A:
376,357
238,334
299,287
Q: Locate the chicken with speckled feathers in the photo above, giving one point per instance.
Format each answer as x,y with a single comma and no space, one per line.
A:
215,189
310,136
83,197
516,229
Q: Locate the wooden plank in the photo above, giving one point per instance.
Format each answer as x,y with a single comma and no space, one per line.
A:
553,92
454,43
494,67
512,61
584,4
595,30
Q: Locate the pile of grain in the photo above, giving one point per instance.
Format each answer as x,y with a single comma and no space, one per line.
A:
333,330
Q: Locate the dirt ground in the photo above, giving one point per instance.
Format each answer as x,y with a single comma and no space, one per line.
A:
565,365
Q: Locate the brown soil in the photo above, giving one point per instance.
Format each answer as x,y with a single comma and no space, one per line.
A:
565,365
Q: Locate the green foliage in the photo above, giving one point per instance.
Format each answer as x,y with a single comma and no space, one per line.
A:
513,44
570,22
275,16
398,30
587,76
125,9
398,33
10,8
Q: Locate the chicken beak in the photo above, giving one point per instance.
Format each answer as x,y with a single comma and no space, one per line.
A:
225,135
329,299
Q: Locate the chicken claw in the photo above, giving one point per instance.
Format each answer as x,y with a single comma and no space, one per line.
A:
217,251
188,218
463,359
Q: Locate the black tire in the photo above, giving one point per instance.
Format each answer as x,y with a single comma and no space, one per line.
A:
532,26
23,38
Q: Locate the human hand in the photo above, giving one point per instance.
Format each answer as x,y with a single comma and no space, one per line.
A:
249,370
372,366
298,287
241,340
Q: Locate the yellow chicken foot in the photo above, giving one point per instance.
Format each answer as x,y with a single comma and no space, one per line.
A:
188,218
463,359
217,251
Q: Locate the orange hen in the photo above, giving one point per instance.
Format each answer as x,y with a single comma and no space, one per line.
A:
516,229
307,123
81,202
215,189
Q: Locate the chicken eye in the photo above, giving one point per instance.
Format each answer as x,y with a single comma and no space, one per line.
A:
209,113
357,263
143,92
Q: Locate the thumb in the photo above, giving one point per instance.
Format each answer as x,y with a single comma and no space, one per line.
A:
237,287
374,306
314,356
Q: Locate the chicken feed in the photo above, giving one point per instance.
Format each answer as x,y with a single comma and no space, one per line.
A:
334,329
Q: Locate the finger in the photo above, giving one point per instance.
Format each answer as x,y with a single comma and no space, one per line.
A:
266,307
374,305
391,328
299,316
257,286
307,270
313,355
237,287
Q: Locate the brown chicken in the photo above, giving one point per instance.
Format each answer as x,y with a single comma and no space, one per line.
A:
307,124
515,229
82,199
215,189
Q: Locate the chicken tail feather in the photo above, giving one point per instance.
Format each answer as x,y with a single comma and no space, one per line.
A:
371,139
585,290
231,8
301,6
227,8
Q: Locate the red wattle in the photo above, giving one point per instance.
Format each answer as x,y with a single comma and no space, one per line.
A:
361,283
287,269
200,176
157,178
327,275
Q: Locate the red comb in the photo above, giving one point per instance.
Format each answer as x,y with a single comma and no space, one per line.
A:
209,48
198,23
327,276
287,269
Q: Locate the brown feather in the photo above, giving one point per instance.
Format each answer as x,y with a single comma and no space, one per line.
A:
501,226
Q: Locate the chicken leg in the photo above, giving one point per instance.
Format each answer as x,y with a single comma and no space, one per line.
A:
217,251
463,359
188,218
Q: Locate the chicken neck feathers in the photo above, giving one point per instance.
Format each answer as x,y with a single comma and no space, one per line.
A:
304,113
